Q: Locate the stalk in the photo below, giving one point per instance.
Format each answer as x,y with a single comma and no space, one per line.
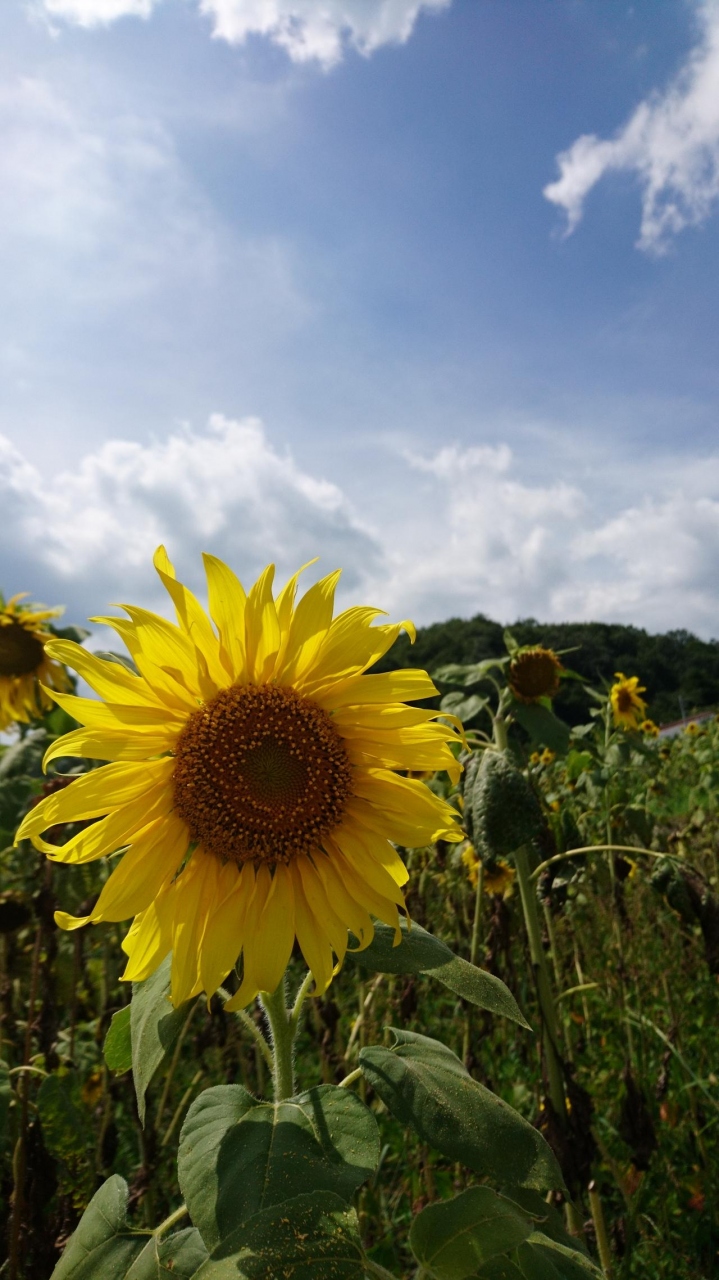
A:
600,1229
544,986
473,953
283,1076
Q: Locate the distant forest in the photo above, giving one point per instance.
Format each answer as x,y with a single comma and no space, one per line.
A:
681,672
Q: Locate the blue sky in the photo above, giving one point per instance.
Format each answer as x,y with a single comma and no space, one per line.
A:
426,289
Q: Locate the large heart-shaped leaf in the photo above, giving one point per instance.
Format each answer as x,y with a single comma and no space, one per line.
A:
540,1258
103,1244
452,1238
154,1026
176,1257
312,1237
426,1086
238,1156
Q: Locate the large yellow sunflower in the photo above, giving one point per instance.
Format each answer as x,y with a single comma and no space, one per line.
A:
257,781
628,708
25,666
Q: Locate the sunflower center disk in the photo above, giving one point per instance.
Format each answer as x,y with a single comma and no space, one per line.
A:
261,774
20,652
625,702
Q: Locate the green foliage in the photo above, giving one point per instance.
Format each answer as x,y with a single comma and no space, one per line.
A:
239,1156
454,1238
117,1049
68,1134
103,1245
426,1086
154,1026
178,1256
313,1237
676,666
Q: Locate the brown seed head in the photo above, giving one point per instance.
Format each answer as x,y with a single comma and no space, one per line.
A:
261,774
20,651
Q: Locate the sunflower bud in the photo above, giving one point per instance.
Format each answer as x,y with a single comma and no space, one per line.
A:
505,810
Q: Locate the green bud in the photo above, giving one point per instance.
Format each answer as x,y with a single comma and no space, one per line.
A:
505,811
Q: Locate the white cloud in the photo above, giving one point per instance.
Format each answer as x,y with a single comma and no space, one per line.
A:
671,142
308,30
88,535
457,533
93,13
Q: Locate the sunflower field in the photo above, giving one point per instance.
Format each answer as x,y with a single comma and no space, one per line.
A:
313,967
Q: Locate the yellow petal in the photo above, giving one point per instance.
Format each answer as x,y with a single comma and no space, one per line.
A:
192,619
110,680
386,686
110,833
94,794
262,628
98,745
195,898
314,944
222,942
308,628
270,944
150,862
149,938
227,601
321,907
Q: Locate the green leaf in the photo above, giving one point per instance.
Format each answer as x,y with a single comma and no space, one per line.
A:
103,1244
68,1134
179,1256
544,728
546,1218
457,704
117,1048
238,1156
426,1086
479,987
453,1237
418,952
154,1026
467,675
311,1237
540,1258
499,1269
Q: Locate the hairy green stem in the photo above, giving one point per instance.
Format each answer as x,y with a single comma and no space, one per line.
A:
169,1222
350,1079
600,1230
299,1001
544,986
275,1007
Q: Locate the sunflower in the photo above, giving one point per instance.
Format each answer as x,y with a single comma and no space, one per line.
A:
627,706
257,781
498,875
534,673
649,729
25,667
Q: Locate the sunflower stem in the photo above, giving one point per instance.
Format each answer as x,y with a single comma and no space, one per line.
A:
299,1001
278,1016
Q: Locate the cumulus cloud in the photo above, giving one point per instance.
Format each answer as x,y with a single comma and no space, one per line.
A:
671,143
308,30
88,535
459,532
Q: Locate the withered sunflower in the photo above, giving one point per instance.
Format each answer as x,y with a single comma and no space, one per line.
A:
25,666
534,673
256,781
628,708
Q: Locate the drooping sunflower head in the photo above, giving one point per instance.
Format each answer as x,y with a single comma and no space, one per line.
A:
534,673
25,666
628,708
258,779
